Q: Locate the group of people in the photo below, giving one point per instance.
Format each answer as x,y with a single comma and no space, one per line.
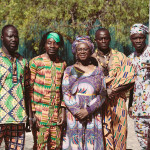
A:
79,107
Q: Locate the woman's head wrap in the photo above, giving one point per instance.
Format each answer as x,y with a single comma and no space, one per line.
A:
54,35
82,39
139,28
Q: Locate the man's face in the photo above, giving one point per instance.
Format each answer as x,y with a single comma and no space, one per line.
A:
102,39
51,47
138,41
10,39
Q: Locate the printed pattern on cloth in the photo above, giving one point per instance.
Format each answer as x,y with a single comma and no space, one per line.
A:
13,135
45,91
83,90
139,28
114,112
14,82
52,141
141,96
142,126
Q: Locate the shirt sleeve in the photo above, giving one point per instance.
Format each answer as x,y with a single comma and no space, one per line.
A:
125,73
32,80
68,97
100,98
62,100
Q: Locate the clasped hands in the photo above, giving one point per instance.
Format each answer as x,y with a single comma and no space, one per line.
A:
81,114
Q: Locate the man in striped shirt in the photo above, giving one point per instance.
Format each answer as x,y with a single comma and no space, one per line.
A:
46,76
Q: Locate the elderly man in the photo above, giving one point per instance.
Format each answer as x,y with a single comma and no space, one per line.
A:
140,104
13,85
119,77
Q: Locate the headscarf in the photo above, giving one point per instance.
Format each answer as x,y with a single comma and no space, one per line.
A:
55,36
82,39
139,28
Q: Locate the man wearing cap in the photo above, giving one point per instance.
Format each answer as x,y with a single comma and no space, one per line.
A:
139,105
46,74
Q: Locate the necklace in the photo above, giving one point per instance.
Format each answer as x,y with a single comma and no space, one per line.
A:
104,65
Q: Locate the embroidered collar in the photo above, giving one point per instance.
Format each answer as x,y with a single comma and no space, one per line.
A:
17,55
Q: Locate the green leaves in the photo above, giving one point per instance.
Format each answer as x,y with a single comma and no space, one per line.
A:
72,17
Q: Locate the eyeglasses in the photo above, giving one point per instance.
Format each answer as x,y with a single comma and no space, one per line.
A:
82,49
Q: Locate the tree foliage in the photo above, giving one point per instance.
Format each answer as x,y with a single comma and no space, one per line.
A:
72,17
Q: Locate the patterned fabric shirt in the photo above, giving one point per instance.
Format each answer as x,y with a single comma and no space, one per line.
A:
46,77
141,96
14,79
121,73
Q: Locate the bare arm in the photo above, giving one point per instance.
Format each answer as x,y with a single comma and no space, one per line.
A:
130,103
118,90
130,98
124,88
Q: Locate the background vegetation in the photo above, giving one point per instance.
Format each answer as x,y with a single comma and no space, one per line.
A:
72,17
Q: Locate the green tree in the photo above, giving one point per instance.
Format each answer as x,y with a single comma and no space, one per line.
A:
72,17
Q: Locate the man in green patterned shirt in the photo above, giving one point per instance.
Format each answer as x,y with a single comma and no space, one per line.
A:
13,86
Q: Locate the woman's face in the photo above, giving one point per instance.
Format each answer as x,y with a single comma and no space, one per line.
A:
83,51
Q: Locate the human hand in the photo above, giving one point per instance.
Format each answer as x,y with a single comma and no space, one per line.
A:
34,123
61,117
146,66
110,93
82,114
28,129
130,112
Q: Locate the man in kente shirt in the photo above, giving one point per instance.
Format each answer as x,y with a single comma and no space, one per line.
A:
119,76
46,76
